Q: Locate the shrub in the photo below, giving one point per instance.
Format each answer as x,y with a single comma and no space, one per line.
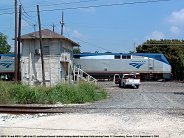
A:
23,94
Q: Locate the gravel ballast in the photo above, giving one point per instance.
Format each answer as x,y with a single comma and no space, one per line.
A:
156,109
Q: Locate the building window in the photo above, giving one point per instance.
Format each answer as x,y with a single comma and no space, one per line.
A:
61,47
46,50
66,50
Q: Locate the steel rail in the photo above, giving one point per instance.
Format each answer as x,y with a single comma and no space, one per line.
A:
21,109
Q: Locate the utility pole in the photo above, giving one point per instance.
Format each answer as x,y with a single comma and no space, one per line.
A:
41,48
15,42
19,40
62,23
53,27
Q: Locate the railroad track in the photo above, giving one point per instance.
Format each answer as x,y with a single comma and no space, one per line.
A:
34,109
31,109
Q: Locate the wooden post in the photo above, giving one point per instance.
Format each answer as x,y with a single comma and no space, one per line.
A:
15,42
41,48
19,39
78,73
74,74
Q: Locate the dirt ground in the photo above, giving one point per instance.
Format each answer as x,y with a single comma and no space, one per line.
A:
126,113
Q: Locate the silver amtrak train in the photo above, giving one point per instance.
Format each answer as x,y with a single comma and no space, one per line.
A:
151,66
7,66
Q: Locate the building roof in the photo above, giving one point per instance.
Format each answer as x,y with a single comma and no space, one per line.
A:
47,34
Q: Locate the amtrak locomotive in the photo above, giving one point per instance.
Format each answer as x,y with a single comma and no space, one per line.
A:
151,66
7,66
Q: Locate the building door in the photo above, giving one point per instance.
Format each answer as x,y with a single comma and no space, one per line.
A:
150,68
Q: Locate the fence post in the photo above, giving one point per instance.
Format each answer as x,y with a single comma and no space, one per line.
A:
78,74
74,74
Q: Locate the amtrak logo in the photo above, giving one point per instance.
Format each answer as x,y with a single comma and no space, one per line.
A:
7,65
136,65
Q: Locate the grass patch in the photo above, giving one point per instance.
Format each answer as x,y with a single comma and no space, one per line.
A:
22,94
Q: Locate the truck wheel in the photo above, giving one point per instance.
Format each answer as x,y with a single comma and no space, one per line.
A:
137,86
123,85
119,84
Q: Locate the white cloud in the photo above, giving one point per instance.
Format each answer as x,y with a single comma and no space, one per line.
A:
77,34
73,33
156,35
175,29
177,17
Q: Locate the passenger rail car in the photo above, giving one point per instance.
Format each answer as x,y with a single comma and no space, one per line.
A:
7,66
151,66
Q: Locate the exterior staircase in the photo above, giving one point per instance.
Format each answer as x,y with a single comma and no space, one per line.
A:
79,75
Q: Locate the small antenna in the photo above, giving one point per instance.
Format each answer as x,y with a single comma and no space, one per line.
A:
34,25
62,23
53,27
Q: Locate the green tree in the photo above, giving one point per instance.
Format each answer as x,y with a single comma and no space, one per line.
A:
76,51
172,49
4,46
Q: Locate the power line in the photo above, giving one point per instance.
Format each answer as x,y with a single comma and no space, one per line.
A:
98,6
25,11
67,33
7,13
67,3
5,9
28,18
48,5
93,44
106,5
29,22
26,14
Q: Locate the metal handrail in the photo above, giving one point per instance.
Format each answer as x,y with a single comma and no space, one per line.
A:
81,73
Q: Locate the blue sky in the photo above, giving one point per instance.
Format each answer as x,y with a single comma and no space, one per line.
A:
104,28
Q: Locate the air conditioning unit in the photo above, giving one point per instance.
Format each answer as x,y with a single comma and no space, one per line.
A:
65,57
37,51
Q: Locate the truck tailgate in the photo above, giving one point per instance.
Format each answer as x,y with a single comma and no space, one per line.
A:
132,81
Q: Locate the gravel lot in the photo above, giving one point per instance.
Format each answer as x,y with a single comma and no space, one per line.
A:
156,109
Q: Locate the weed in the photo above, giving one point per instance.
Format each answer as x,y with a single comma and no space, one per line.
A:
23,94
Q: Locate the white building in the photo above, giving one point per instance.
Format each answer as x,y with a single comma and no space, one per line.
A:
57,55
